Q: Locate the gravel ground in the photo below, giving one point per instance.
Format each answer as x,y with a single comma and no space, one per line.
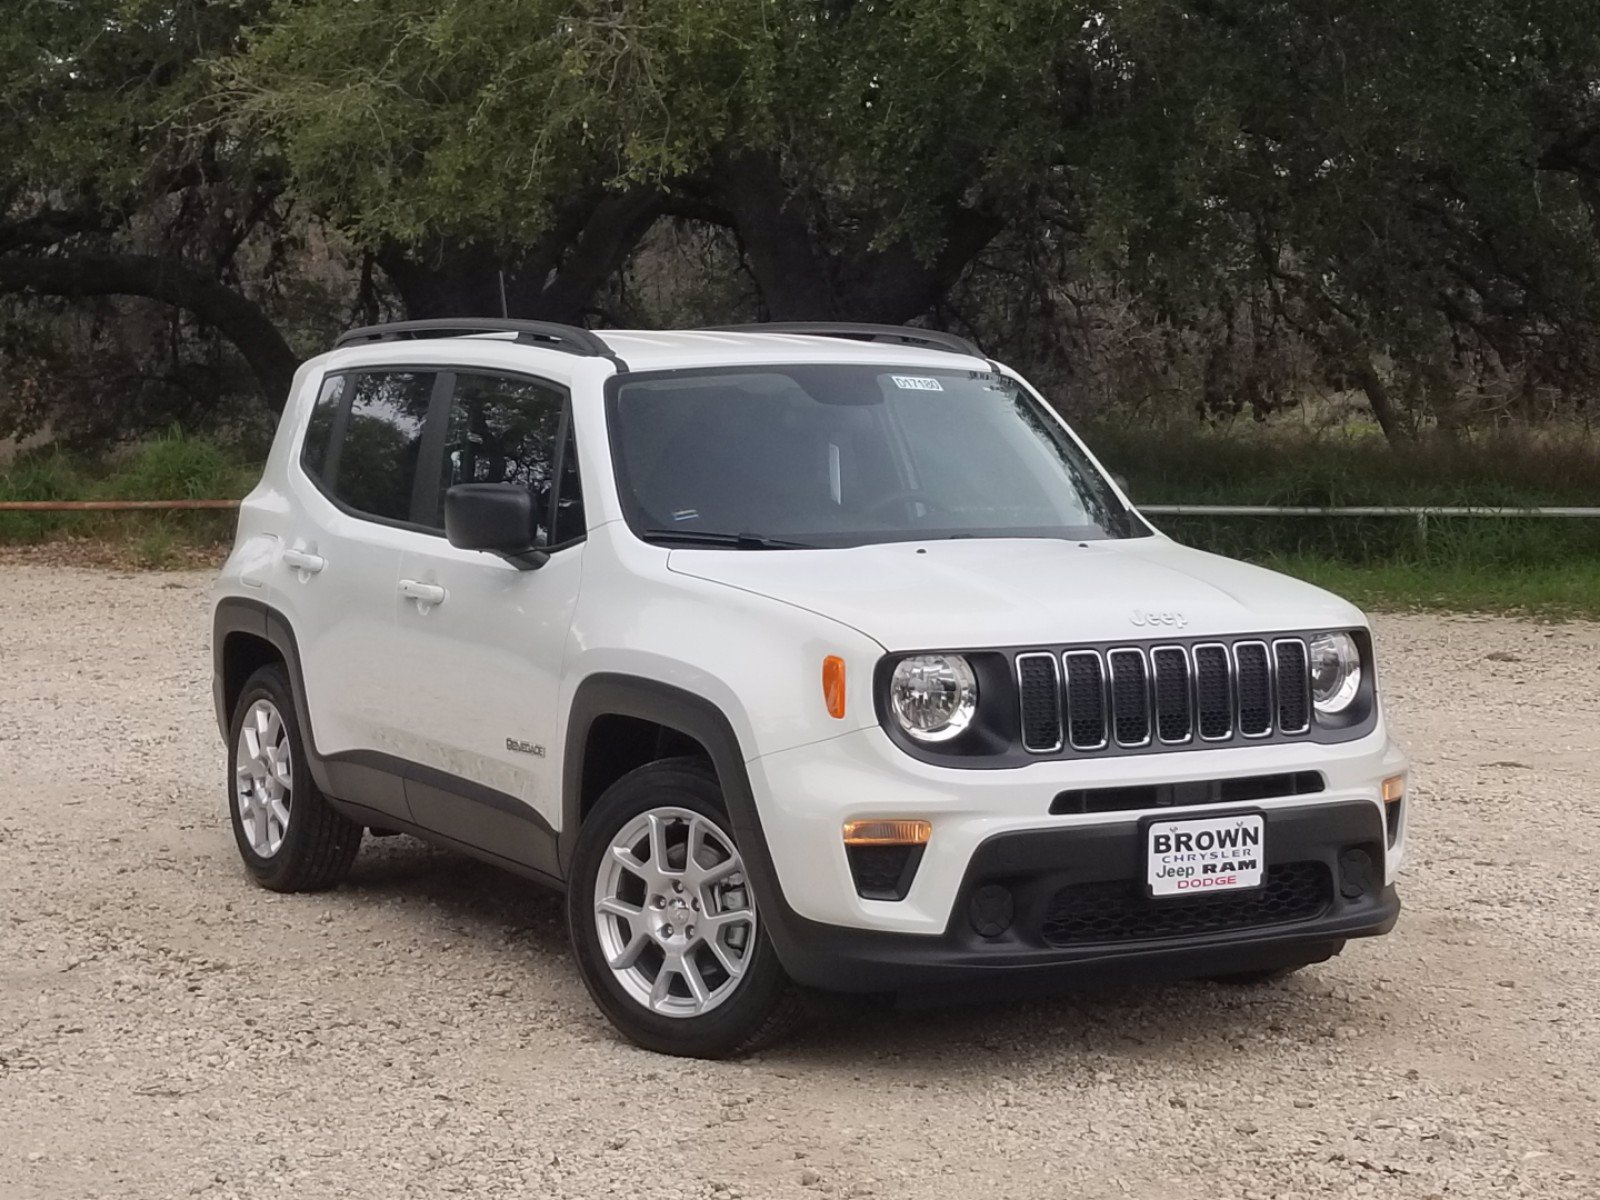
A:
166,1029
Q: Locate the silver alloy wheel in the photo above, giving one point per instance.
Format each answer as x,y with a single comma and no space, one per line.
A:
673,909
263,778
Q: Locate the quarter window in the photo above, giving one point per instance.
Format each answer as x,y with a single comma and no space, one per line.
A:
317,451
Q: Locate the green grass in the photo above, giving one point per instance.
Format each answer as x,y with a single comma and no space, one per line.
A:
1544,567
1555,591
172,467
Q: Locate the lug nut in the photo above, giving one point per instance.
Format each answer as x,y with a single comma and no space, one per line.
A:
695,904
676,886
666,931
689,932
659,902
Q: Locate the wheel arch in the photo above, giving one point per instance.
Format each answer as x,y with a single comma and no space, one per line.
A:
608,695
247,634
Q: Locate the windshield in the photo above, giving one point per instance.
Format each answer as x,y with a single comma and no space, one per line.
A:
778,457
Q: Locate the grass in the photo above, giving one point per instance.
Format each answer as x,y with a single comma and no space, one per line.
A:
1544,567
1557,591
172,467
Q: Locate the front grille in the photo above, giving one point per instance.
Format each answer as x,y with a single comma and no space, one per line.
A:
1088,914
1130,697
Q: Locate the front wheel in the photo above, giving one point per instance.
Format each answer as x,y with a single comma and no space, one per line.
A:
664,924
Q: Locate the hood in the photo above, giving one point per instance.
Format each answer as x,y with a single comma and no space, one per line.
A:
969,594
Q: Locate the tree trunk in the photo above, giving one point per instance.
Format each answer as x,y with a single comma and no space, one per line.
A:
1383,406
802,277
555,280
171,281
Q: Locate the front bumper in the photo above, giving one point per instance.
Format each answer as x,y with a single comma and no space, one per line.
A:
995,828
1042,874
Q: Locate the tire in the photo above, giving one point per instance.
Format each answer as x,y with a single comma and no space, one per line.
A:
667,804
294,841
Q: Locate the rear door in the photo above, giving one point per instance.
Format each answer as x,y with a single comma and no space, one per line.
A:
358,468
483,640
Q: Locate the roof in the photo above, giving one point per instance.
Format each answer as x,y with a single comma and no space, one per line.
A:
653,350
658,350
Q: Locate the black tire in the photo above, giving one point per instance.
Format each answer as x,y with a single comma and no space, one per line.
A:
764,1006
318,844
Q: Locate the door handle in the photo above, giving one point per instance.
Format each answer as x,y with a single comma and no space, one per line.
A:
304,561
425,594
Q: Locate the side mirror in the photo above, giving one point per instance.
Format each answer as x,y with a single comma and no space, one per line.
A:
497,517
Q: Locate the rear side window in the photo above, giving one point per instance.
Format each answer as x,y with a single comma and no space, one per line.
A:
503,430
364,438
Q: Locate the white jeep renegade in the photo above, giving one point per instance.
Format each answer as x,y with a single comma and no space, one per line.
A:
806,656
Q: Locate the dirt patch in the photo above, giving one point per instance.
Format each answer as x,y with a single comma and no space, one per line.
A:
166,1029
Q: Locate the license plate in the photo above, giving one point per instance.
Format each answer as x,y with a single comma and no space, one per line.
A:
1203,857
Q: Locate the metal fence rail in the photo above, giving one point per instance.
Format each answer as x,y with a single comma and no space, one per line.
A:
1381,510
1164,510
110,505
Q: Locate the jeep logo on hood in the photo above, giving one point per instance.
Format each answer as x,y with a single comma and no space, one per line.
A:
1175,620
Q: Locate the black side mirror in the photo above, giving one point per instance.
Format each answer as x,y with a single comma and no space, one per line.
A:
497,517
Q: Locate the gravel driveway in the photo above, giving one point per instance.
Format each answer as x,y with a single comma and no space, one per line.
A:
166,1029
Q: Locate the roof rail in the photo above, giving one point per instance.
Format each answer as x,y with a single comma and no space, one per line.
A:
541,333
904,334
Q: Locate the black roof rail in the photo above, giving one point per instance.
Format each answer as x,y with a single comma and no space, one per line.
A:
570,338
933,339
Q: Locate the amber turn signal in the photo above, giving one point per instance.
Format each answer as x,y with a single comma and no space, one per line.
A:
887,833
1393,788
833,685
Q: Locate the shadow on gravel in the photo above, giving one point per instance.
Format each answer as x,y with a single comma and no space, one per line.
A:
1204,1021
404,870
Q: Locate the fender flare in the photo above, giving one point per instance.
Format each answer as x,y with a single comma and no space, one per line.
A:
609,694
240,614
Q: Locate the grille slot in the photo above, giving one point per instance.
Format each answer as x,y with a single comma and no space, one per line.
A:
1294,686
1130,697
1039,693
1213,692
1254,678
1139,696
1174,712
1089,914
1086,700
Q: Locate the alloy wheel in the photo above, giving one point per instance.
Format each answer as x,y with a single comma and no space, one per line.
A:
263,778
673,910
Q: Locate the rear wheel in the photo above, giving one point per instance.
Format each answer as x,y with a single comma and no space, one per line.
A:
664,925
289,837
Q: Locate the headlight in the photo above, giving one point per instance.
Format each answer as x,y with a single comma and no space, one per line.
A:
1335,672
933,696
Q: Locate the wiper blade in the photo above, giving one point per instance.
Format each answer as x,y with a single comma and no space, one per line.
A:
739,541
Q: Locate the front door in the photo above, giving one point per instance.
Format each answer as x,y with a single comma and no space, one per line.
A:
483,639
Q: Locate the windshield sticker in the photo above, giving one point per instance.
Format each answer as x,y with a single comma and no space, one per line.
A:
686,514
917,383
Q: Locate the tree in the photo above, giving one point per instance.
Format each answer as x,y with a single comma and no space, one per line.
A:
110,183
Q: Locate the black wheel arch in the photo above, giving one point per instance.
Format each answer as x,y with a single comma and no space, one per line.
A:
237,617
694,717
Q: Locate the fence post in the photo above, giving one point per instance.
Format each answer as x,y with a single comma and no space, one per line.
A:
1422,533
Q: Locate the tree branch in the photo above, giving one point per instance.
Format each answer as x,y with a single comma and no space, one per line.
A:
173,282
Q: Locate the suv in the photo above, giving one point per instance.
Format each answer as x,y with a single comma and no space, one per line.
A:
799,657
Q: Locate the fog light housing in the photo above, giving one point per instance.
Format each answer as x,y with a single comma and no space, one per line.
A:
1355,873
991,910
883,872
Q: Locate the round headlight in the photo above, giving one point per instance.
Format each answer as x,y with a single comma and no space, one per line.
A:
1335,672
933,696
